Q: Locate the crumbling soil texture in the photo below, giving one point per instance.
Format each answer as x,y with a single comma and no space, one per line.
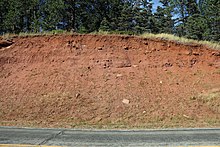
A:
108,82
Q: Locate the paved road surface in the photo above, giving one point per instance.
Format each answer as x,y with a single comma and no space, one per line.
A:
64,137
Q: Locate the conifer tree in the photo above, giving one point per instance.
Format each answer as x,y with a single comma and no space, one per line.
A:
212,14
143,17
13,18
163,16
118,9
192,7
125,22
52,14
4,10
196,27
181,14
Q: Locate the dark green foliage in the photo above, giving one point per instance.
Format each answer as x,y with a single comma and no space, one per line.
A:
196,27
105,25
211,10
125,21
12,17
143,17
196,19
163,16
69,16
17,16
192,7
52,13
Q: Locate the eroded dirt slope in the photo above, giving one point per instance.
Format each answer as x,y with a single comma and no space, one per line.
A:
119,81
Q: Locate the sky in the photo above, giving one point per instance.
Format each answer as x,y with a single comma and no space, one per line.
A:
156,3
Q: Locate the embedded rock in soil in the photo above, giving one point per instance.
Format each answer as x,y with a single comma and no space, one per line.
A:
5,43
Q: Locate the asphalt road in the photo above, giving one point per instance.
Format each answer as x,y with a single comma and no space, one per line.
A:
64,137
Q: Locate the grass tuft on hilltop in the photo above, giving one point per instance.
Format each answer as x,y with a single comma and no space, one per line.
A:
182,40
163,36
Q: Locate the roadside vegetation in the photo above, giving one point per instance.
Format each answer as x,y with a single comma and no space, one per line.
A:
168,37
162,36
192,19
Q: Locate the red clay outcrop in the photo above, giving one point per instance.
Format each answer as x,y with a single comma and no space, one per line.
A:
75,80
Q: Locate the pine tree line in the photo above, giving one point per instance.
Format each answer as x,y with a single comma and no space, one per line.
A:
195,19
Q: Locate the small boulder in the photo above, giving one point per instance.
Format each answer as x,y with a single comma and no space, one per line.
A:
119,75
134,66
216,53
125,101
5,43
99,48
126,47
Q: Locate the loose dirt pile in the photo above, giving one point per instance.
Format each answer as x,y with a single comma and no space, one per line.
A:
108,81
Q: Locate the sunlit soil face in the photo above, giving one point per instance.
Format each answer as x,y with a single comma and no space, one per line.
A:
108,82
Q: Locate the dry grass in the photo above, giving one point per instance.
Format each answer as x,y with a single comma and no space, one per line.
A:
211,99
54,32
169,37
210,96
181,40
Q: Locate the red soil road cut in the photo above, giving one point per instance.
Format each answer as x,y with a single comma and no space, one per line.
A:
113,81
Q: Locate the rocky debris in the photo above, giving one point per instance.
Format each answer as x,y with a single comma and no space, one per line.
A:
145,43
99,48
147,52
188,52
134,66
216,64
77,95
123,64
195,53
186,116
125,47
163,44
119,75
107,63
193,62
76,45
154,50
5,43
98,119
167,64
83,46
125,101
125,37
216,53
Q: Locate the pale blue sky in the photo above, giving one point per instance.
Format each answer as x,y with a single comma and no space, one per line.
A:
156,3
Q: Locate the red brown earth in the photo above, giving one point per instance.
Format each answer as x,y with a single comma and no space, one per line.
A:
108,81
